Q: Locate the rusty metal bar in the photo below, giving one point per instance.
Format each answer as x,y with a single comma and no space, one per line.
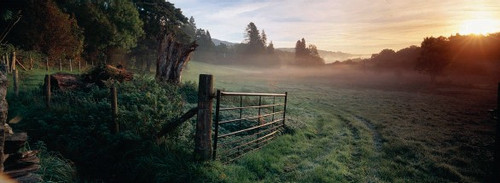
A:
252,94
274,102
249,136
284,109
250,142
248,118
241,107
216,133
248,129
260,103
249,149
248,107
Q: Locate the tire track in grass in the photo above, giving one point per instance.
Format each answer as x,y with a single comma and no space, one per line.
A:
377,137
356,138
349,119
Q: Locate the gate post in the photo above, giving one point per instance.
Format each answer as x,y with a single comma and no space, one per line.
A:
203,136
497,138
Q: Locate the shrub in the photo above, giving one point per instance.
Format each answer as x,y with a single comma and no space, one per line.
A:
78,125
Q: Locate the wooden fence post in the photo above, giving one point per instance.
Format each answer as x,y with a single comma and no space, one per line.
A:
79,65
15,78
47,64
114,109
60,65
70,66
13,64
7,62
47,90
203,136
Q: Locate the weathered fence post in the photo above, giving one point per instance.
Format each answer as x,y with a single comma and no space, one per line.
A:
13,64
70,66
47,65
3,110
79,65
203,136
114,109
60,65
47,91
15,78
7,62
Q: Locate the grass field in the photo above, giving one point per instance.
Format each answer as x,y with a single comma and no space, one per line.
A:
347,128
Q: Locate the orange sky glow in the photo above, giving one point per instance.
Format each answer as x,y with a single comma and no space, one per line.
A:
354,26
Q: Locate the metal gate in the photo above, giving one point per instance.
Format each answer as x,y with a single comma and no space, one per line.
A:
246,121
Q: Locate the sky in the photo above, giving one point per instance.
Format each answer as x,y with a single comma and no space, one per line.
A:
352,26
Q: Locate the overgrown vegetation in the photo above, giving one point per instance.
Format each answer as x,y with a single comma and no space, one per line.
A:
78,125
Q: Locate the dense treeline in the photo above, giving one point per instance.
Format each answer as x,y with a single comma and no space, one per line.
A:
471,55
105,31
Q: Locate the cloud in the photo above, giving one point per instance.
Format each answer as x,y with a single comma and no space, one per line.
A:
357,26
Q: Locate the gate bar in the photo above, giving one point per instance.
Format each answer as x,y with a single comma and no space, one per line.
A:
217,108
252,94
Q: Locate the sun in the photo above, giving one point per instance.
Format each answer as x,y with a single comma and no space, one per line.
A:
480,26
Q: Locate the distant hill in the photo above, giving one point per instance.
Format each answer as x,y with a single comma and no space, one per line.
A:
217,42
331,56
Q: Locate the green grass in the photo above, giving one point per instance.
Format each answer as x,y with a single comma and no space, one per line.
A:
344,130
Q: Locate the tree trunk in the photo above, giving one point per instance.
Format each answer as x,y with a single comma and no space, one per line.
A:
172,57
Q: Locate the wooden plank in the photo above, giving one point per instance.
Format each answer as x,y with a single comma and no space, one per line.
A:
176,123
20,64
203,135
22,172
252,94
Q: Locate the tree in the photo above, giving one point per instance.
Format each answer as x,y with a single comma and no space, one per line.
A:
109,26
307,56
45,28
434,56
270,48
263,37
190,29
254,42
162,22
300,49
